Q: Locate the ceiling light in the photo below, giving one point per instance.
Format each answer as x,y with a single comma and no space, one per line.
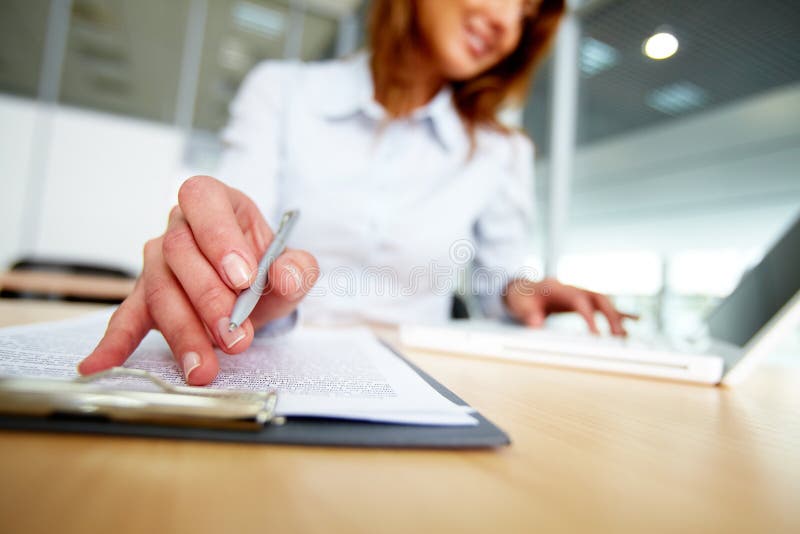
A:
677,98
259,19
597,56
661,46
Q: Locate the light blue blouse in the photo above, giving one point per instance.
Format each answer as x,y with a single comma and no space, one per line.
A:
392,210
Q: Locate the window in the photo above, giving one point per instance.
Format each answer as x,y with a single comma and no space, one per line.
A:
125,57
241,33
23,24
689,160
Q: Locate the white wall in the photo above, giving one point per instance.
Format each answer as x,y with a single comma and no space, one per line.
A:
17,118
108,183
726,178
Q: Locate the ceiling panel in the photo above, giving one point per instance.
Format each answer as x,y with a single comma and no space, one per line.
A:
728,50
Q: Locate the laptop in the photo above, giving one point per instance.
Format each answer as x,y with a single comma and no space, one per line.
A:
762,310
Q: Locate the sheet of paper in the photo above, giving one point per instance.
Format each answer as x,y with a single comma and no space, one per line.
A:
340,373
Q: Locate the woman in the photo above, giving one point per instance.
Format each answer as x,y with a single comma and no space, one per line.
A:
398,164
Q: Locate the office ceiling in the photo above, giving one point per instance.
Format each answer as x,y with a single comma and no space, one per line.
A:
728,50
125,56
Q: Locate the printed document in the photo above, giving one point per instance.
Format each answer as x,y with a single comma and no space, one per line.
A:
338,373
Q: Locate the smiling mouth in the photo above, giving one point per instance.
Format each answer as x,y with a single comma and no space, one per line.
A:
477,45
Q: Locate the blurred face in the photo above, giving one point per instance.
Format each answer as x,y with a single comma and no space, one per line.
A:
467,37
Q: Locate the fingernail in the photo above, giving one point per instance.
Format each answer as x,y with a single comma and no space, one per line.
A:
236,269
229,338
191,361
294,272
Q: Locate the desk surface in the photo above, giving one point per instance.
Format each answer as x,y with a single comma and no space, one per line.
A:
73,285
590,453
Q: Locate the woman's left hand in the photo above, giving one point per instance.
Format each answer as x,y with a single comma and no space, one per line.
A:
531,302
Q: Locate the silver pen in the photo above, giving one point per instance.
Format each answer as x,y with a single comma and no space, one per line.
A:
247,299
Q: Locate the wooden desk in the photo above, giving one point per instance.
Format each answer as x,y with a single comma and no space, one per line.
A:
71,285
590,453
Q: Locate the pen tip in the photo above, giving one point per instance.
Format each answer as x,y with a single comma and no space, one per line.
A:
232,327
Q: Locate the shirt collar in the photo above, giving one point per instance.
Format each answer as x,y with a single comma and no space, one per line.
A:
446,121
353,93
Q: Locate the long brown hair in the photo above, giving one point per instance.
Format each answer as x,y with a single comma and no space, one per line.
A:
395,40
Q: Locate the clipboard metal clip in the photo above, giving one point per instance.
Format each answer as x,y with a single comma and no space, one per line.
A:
168,405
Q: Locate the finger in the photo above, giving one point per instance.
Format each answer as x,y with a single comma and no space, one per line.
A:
215,223
126,328
631,316
256,230
534,315
584,307
172,313
520,298
210,297
611,314
291,277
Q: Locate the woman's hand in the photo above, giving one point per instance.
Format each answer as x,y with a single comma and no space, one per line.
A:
191,277
531,302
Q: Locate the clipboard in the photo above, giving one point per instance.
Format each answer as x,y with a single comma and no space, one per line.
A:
257,423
